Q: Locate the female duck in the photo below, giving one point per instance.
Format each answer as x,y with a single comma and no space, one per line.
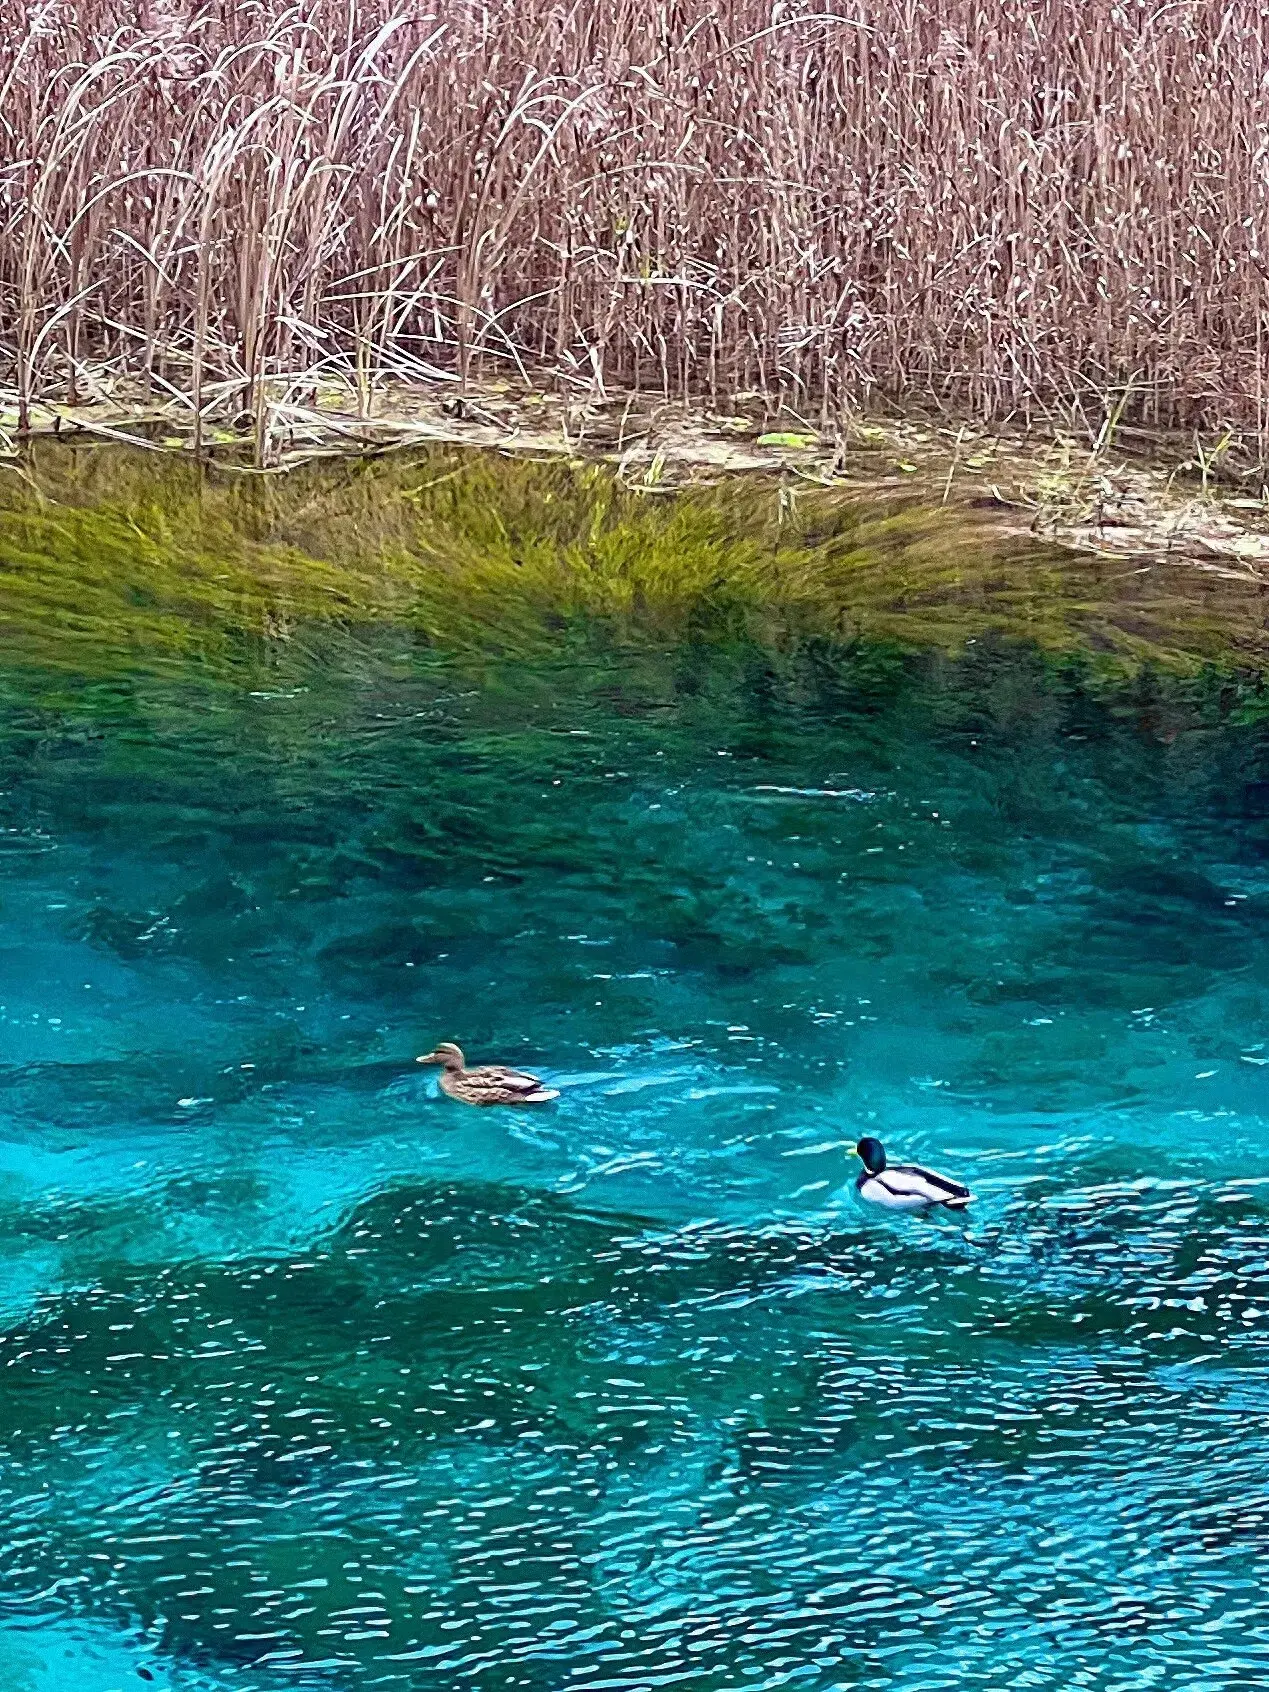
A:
905,1186
490,1084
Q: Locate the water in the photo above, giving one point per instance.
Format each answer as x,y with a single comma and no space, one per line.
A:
314,1379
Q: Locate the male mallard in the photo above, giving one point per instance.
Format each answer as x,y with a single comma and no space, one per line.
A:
905,1186
491,1084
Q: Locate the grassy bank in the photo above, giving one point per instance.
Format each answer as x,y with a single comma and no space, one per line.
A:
1013,208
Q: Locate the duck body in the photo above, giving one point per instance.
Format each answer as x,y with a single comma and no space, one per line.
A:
905,1186
487,1084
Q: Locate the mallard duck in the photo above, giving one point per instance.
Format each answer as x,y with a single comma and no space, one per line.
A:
905,1186
491,1084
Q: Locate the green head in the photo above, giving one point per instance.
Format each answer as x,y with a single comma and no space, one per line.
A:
873,1153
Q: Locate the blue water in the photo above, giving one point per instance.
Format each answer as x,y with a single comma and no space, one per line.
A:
315,1379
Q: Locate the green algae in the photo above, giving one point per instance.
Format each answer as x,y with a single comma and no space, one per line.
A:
110,558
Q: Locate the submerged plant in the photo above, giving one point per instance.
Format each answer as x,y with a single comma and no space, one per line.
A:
109,557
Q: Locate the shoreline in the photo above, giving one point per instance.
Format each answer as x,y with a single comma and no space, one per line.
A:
1132,494
479,542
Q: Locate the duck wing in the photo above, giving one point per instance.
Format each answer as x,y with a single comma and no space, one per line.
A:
909,1180
874,1189
491,1083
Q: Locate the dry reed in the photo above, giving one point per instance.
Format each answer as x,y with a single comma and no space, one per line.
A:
1009,207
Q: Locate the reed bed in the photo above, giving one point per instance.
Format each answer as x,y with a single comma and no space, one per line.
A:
1011,208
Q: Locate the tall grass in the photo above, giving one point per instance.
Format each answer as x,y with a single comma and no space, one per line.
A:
1009,207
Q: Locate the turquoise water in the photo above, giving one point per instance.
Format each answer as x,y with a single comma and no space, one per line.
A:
314,1379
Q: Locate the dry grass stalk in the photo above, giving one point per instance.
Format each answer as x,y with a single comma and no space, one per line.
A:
1007,206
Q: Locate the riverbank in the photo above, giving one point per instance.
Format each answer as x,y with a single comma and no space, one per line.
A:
1120,491
1017,212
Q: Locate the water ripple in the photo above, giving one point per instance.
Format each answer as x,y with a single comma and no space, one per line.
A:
313,1379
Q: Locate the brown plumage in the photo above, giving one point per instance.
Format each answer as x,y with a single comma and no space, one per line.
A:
490,1084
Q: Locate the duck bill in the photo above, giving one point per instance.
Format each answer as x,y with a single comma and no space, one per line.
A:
429,1057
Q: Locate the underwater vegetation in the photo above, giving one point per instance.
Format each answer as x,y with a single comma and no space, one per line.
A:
109,556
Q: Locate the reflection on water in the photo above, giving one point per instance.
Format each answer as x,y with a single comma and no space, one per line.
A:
315,1380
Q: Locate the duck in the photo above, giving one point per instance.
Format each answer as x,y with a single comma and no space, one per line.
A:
489,1084
905,1186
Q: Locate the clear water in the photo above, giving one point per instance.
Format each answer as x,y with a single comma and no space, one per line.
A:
313,1379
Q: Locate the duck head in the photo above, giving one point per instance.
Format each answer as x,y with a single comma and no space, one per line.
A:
873,1153
446,1054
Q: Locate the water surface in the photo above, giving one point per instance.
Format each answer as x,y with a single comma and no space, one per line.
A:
314,1379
